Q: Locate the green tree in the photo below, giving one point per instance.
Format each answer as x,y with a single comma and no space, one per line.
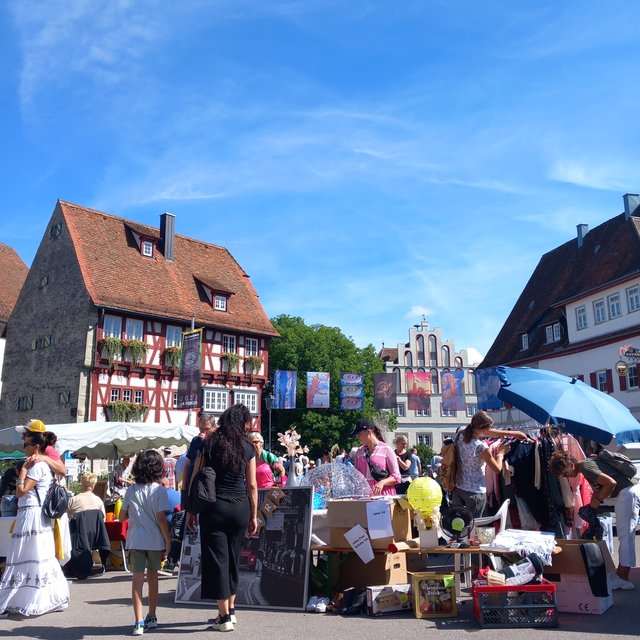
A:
425,453
304,348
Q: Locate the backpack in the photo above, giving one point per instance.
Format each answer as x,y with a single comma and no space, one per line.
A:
56,501
619,462
449,466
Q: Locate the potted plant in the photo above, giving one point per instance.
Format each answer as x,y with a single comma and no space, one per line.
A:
137,412
252,364
123,411
111,348
231,361
135,351
172,356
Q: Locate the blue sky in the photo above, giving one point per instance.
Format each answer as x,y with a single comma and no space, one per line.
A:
365,162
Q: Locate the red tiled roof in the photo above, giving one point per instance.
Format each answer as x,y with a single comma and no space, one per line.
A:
14,273
387,354
611,252
118,276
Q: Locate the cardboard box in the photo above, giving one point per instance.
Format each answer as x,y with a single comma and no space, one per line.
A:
569,560
573,595
383,600
384,569
342,515
434,595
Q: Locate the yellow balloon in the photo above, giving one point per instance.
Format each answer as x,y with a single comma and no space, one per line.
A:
424,495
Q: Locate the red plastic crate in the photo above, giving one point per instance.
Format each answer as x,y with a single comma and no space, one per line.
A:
529,605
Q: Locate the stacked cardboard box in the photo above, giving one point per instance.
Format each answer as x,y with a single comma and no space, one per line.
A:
384,600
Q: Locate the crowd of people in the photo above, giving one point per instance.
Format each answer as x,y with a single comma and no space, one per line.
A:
153,488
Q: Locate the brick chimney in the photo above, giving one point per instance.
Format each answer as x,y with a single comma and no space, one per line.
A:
583,229
631,204
167,234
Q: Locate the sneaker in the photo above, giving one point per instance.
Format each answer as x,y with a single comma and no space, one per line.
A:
222,623
138,628
321,607
616,582
312,604
150,622
232,613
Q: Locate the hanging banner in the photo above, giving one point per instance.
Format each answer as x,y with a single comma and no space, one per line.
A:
285,383
318,389
190,378
453,390
384,391
352,391
487,387
419,391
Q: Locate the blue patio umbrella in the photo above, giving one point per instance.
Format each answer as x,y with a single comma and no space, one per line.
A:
567,402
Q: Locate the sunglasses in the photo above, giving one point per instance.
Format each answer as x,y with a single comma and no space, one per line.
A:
28,444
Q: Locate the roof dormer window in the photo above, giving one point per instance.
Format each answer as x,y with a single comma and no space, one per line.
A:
220,302
147,248
525,340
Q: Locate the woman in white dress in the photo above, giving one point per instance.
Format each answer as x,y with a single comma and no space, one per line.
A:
33,582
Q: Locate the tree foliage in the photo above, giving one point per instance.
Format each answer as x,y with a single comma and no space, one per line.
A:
305,348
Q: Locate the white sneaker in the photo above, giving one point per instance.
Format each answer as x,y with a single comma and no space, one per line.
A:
321,607
616,582
313,603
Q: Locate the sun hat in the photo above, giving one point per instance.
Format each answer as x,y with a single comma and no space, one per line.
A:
34,426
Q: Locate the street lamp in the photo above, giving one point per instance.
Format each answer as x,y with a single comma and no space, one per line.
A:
268,402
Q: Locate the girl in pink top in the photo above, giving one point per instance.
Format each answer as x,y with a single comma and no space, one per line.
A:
375,459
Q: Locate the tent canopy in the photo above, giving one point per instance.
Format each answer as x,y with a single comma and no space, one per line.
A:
107,439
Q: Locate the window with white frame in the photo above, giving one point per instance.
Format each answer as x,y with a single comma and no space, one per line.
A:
548,333
126,395
525,340
615,307
423,413
581,318
400,410
601,381
552,332
249,399
228,344
435,382
112,326
220,302
599,311
471,410
138,396
447,413
425,439
174,336
147,248
632,376
633,298
134,329
114,395
250,347
556,332
408,359
215,400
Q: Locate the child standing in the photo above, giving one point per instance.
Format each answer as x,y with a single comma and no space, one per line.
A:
145,505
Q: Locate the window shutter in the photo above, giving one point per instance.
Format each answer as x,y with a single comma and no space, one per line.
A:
623,382
609,381
592,378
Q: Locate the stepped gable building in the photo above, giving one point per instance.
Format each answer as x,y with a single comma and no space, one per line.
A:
97,327
426,351
14,273
579,314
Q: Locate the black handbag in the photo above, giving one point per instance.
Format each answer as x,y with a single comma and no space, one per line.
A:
202,492
56,502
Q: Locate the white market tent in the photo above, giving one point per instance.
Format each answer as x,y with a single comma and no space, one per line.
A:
107,439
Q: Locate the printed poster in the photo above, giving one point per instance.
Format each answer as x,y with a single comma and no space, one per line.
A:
487,387
285,383
419,391
190,379
453,390
318,389
351,391
384,391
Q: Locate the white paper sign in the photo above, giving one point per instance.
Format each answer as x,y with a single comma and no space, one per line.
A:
379,519
359,540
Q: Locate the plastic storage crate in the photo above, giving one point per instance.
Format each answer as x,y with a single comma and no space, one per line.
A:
529,605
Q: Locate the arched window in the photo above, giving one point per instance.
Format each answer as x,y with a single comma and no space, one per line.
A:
458,362
420,350
435,382
446,357
471,377
398,380
408,359
406,371
433,351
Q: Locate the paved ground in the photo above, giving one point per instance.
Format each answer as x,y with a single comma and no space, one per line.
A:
100,608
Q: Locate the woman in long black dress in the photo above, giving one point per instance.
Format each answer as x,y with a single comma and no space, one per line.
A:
234,514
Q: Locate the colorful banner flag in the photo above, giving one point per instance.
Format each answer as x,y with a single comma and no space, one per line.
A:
352,391
190,379
453,390
285,383
318,389
487,387
419,391
384,391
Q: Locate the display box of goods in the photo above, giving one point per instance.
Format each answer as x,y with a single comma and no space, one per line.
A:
528,605
434,595
383,600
